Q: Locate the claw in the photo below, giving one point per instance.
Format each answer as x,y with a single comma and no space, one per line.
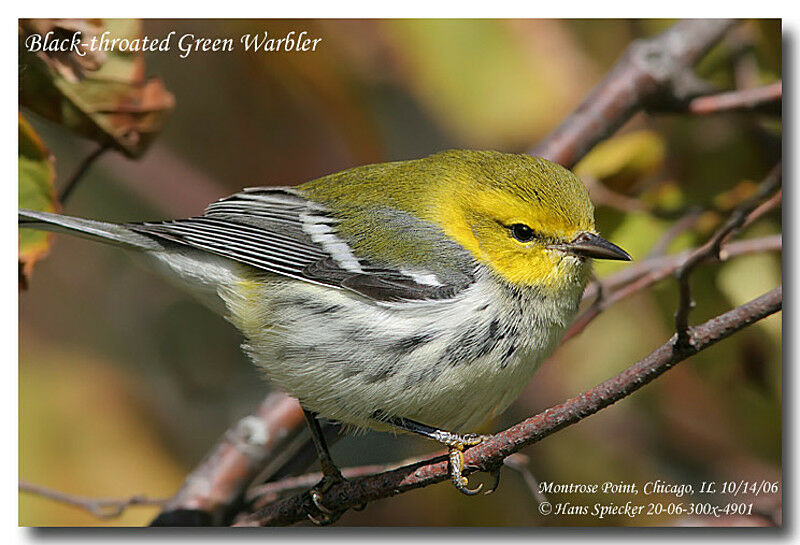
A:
496,483
456,467
461,486
329,516
322,521
316,497
472,439
455,444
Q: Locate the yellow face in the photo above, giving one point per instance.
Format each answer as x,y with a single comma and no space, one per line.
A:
513,224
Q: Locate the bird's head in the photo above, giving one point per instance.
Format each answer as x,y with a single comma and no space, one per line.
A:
529,220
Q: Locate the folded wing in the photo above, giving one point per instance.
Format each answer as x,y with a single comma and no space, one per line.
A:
279,231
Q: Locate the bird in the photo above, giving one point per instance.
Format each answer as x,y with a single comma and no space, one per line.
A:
417,295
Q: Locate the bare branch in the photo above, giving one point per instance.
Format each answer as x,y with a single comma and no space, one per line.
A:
681,226
765,99
82,169
649,272
602,195
266,493
222,477
105,508
488,455
519,462
765,208
647,69
772,243
711,250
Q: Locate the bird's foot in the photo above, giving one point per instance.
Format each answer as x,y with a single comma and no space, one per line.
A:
327,516
456,445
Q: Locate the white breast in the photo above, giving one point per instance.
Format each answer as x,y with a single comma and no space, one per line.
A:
446,363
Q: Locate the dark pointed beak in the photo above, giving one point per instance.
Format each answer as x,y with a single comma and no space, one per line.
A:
591,245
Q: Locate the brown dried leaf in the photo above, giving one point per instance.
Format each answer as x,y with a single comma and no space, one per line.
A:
68,64
105,97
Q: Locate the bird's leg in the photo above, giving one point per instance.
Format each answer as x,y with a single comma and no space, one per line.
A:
330,473
455,443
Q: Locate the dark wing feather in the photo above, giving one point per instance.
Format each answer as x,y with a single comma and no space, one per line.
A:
394,287
279,231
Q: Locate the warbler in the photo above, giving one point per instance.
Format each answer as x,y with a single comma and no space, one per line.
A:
419,295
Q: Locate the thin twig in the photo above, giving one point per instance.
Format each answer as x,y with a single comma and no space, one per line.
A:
104,508
658,269
70,186
272,490
770,243
489,454
711,249
647,69
519,462
654,270
765,208
765,99
679,227
602,195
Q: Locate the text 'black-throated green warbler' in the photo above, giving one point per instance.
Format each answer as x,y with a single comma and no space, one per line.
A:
419,295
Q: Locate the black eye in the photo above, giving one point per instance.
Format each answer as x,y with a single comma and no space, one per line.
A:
522,232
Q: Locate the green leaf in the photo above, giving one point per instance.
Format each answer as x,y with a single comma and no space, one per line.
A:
36,192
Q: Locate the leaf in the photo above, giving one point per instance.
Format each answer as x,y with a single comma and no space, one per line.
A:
36,192
105,97
623,161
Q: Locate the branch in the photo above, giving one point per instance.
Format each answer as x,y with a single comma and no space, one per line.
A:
220,480
82,169
711,249
765,99
269,492
490,454
685,223
646,273
647,69
771,243
104,508
763,209
519,463
655,269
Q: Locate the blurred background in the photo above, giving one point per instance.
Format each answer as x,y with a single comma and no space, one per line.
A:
125,382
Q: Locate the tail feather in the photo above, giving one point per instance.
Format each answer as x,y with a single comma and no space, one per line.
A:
110,233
